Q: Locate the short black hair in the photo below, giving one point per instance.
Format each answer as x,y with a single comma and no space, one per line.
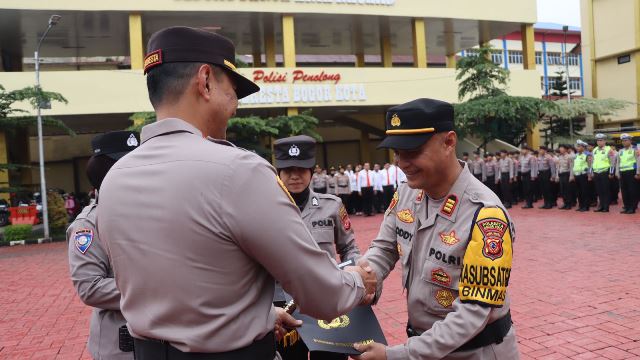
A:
169,81
97,168
465,154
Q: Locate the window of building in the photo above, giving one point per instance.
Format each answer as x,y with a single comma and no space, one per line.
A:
554,58
574,83
539,57
515,57
496,57
574,60
627,126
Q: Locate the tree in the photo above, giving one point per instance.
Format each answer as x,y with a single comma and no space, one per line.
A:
559,87
13,118
479,76
489,113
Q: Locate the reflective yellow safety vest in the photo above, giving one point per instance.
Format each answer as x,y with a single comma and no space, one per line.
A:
601,159
627,159
580,164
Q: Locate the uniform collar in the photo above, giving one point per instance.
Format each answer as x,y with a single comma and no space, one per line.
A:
313,203
165,126
451,205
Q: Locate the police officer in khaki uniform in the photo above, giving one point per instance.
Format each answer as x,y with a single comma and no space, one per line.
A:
198,229
324,215
455,243
320,181
89,264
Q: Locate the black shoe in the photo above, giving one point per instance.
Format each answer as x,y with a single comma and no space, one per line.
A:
624,211
583,209
605,210
631,212
528,206
598,210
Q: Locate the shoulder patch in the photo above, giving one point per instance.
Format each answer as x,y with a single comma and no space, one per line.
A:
314,201
449,205
344,217
83,239
486,267
392,205
284,188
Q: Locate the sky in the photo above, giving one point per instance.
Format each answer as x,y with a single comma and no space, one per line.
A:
564,12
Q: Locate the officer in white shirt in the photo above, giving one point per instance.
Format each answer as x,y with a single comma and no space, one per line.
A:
366,191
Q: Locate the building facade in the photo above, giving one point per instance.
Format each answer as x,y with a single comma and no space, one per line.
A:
611,46
347,60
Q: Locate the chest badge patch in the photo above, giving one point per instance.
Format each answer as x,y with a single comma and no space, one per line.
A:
83,239
441,277
493,231
314,201
449,205
444,298
344,217
449,238
406,216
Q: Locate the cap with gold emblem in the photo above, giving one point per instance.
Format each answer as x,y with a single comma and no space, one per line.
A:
410,125
295,151
185,44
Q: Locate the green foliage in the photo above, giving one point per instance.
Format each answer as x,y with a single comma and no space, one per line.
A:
501,117
251,132
58,218
140,120
478,76
17,232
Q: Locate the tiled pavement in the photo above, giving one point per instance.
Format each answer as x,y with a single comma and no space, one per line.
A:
575,291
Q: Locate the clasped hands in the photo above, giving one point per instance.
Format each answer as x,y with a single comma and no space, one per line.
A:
369,279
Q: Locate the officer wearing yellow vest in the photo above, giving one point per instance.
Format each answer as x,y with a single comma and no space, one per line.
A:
628,172
579,175
602,170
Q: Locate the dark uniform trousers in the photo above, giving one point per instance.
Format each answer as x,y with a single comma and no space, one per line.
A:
378,202
614,185
516,189
355,203
603,189
387,194
491,183
527,191
544,179
565,190
505,188
478,176
584,194
367,200
629,186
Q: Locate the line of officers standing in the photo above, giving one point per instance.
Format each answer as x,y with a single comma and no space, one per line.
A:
363,191
582,175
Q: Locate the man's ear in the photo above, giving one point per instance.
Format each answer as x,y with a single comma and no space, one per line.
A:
451,141
203,79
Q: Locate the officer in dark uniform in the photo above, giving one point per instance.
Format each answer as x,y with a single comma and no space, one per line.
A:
89,264
324,215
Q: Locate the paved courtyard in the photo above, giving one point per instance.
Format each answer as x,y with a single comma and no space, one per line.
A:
575,291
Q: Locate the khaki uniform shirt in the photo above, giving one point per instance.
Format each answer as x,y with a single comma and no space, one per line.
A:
437,242
564,163
319,181
342,184
331,181
92,277
506,165
197,230
477,167
528,164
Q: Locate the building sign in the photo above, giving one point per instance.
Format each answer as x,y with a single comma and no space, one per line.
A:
299,87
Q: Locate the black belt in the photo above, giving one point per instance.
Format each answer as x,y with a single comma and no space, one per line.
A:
263,349
493,333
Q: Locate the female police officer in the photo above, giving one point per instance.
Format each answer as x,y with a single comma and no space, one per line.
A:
325,217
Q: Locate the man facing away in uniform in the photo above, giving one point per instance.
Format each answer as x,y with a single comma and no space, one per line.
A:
324,215
477,166
446,229
546,173
528,168
505,177
198,229
628,172
579,174
89,265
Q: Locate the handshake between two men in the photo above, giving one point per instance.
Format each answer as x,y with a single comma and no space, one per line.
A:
285,321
